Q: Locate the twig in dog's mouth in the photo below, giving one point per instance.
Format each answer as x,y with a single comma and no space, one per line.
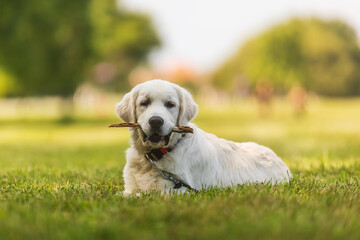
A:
155,137
180,129
134,125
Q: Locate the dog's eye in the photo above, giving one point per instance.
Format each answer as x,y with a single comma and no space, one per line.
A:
169,104
145,103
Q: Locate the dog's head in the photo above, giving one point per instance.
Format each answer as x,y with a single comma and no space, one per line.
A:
157,106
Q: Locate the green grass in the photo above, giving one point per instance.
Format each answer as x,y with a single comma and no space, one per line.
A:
64,181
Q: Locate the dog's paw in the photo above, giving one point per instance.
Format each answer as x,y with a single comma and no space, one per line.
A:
177,191
126,194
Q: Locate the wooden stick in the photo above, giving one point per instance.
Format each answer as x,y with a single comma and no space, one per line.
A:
135,125
181,129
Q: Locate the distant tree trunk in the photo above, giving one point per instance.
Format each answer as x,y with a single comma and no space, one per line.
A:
66,109
298,98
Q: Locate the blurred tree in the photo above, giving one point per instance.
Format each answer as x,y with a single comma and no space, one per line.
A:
322,56
7,83
121,40
44,44
48,47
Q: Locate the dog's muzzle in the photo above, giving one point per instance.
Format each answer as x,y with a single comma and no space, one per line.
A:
156,138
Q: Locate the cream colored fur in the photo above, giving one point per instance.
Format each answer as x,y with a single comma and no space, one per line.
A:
200,159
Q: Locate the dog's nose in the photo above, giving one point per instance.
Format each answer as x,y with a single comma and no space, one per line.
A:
156,122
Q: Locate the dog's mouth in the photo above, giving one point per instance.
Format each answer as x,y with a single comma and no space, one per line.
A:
156,139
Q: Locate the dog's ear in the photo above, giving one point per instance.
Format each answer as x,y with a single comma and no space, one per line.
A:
187,109
126,109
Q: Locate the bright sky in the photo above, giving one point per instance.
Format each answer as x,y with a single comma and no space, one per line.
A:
203,33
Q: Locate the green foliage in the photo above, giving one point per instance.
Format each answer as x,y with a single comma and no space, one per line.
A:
65,181
44,44
49,47
7,83
323,56
122,39
118,33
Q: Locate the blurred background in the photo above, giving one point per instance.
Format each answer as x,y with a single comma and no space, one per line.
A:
59,58
276,73
282,73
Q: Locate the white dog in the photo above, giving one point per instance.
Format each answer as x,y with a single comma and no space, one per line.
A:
193,161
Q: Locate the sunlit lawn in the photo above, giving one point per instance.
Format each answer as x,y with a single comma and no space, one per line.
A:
62,181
